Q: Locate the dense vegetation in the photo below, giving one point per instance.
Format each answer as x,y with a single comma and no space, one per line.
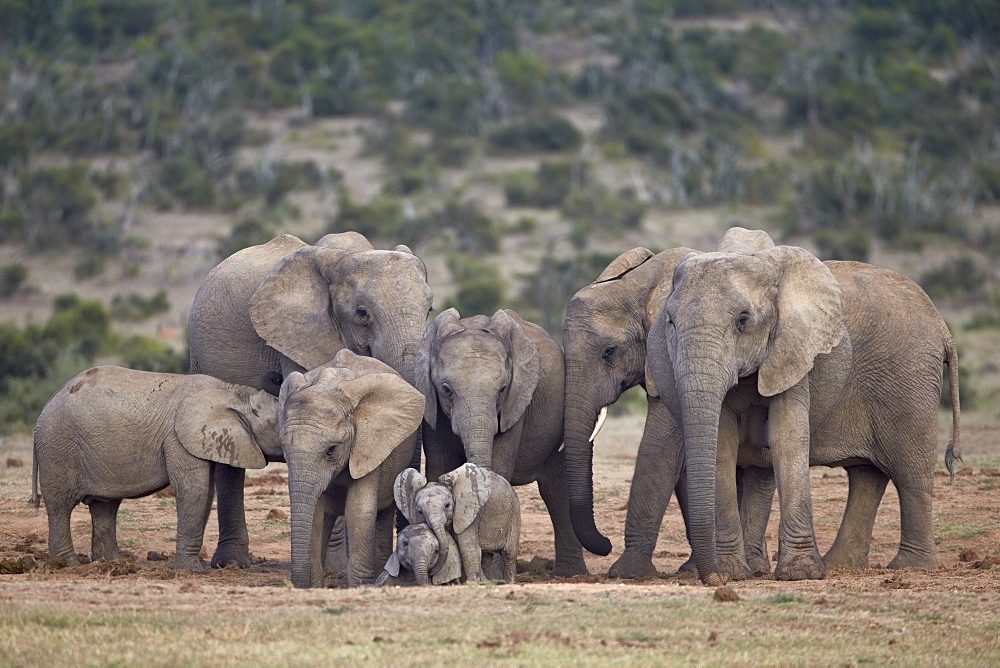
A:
858,125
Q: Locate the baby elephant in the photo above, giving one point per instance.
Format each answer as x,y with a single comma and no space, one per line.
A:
478,506
111,433
418,559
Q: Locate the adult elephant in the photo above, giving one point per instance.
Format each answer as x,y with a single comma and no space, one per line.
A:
774,358
494,392
607,323
286,306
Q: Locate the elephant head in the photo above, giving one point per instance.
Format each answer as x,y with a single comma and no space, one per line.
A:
431,504
479,372
730,315
341,419
605,342
235,426
418,551
319,299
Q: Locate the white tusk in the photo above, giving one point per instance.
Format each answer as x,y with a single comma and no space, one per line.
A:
601,417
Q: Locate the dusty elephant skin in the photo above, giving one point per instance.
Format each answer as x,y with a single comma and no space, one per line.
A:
494,391
111,433
773,357
285,306
346,429
478,507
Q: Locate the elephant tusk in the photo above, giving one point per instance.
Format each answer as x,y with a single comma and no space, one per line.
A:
601,417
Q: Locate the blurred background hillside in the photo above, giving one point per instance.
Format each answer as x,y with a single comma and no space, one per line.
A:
516,146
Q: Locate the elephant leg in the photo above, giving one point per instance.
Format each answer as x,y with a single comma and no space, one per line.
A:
383,536
60,533
680,491
472,554
728,529
330,522
337,548
192,482
103,530
788,439
361,510
657,471
916,532
234,541
317,570
552,487
756,494
866,484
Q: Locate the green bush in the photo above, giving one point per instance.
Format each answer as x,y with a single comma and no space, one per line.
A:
12,278
547,132
848,245
377,220
133,307
90,266
480,285
188,182
597,211
59,202
547,187
146,353
959,277
251,231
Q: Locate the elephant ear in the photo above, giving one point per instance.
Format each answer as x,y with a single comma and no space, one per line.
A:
744,241
210,427
810,319
291,308
360,364
658,293
403,248
449,566
387,410
392,565
623,264
348,241
471,486
446,323
404,489
525,366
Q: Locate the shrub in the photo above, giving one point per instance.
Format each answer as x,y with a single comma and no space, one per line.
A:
480,285
547,187
12,278
250,231
547,132
378,219
90,266
597,211
956,278
59,203
147,353
135,308
850,245
188,182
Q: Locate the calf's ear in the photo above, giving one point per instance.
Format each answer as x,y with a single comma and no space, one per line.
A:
210,426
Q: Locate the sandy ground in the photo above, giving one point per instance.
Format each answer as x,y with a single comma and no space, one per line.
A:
967,524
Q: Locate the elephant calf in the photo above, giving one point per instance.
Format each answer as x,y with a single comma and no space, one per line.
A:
111,433
419,559
477,506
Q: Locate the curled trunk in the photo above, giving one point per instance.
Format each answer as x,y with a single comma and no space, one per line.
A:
580,418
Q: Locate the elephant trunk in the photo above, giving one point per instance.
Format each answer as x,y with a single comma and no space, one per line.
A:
580,417
476,426
420,571
399,340
702,385
304,490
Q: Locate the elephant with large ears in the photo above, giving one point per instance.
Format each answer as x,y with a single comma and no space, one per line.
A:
774,358
286,306
494,397
419,558
111,433
347,429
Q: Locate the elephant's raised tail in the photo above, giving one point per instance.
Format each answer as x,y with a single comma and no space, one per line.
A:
953,452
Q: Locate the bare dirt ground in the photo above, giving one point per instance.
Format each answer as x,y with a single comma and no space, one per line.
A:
967,525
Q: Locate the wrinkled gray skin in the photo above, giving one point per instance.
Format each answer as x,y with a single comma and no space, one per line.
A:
419,560
775,358
346,430
494,397
286,306
605,342
478,507
111,433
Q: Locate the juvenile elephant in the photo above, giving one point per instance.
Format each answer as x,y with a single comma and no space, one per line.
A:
346,429
494,397
286,306
775,358
419,559
475,504
111,433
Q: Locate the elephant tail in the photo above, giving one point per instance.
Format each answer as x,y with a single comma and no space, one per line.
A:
34,500
953,452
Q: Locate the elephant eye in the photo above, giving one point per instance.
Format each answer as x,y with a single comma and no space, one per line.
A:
503,388
361,312
741,320
331,452
446,389
608,353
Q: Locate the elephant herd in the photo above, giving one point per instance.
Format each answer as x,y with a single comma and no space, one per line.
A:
758,362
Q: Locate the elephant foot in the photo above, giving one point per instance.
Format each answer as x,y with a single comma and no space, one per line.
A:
734,567
908,559
837,558
632,564
196,564
688,567
759,564
799,566
231,554
568,568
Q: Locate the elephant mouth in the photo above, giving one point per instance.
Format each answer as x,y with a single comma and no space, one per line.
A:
602,417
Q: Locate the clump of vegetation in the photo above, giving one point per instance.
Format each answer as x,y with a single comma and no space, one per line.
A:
12,278
547,132
480,285
960,277
133,307
250,231
597,211
548,186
